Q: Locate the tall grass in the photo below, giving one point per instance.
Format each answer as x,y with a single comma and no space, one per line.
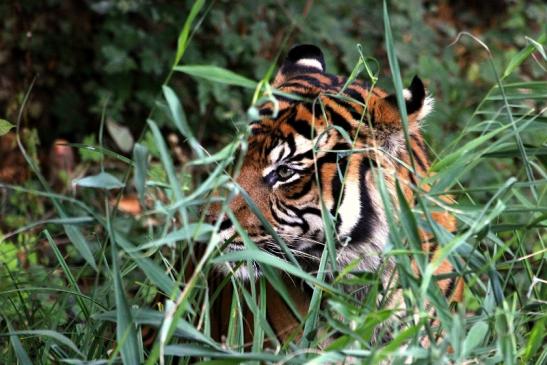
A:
499,251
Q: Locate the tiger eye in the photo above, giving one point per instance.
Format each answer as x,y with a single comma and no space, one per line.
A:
284,172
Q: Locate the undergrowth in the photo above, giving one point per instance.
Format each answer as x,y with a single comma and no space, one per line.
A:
99,301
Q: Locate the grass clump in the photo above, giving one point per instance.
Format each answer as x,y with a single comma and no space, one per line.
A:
98,304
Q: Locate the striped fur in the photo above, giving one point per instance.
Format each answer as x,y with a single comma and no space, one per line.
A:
290,167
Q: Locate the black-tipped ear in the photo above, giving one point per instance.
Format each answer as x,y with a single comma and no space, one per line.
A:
307,56
301,59
414,96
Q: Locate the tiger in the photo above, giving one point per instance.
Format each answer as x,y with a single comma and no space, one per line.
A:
297,159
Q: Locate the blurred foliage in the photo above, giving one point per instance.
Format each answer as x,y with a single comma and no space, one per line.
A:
87,53
109,58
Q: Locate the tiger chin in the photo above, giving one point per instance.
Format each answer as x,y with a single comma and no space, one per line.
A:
298,159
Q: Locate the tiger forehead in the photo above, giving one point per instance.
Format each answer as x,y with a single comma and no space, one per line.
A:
295,122
312,90
303,88
313,80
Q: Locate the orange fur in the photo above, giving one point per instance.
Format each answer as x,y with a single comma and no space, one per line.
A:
379,132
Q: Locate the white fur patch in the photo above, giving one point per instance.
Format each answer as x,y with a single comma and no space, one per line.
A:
277,153
310,62
407,94
350,208
302,144
426,108
227,233
295,177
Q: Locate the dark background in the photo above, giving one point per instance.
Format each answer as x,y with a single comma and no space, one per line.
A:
90,55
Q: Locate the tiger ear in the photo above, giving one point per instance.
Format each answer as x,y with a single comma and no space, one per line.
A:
301,59
388,126
418,105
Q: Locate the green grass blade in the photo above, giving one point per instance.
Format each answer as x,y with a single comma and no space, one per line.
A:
152,271
140,157
166,160
179,119
523,55
186,351
18,346
62,339
217,74
182,42
271,260
126,333
68,273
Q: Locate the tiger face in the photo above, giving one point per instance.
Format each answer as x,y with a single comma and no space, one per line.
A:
314,154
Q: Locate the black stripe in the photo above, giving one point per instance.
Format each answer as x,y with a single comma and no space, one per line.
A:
336,188
302,127
303,191
421,145
309,210
337,119
451,287
282,207
332,157
297,213
292,145
299,83
295,93
280,220
349,108
301,156
367,215
266,110
226,223
312,80
418,159
354,94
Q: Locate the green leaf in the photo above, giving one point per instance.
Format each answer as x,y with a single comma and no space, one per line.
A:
506,341
166,159
217,74
120,134
226,153
535,339
77,238
188,350
271,260
67,221
102,180
520,57
68,273
194,231
140,157
152,271
475,337
90,152
18,346
396,343
179,119
183,329
184,34
538,46
126,333
62,339
5,127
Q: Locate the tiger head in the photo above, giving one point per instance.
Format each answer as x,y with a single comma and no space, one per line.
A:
313,153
